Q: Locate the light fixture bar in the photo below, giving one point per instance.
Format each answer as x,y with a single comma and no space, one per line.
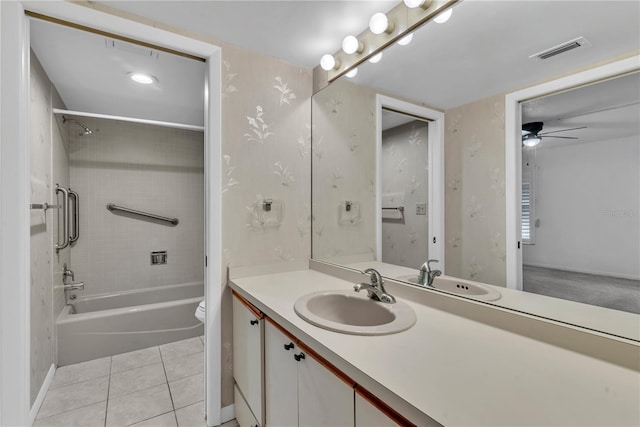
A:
404,20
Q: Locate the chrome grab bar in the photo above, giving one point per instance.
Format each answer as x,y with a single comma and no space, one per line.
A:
172,221
76,217
65,218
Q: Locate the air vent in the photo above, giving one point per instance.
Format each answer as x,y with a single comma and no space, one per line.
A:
561,48
130,48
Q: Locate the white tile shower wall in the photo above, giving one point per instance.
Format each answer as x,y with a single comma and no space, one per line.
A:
49,165
405,170
147,168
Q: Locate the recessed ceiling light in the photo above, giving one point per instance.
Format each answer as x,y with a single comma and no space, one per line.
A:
142,78
444,16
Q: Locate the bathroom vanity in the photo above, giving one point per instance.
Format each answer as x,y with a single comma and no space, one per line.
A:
461,363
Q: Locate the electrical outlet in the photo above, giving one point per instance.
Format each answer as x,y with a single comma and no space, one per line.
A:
421,209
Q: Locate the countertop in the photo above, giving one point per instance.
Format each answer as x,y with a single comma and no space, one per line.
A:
457,371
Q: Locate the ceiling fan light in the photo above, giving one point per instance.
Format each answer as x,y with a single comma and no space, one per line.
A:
531,140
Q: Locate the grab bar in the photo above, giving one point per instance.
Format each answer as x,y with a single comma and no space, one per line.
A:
399,208
112,207
65,218
76,217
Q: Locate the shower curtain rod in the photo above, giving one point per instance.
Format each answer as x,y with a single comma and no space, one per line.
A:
130,119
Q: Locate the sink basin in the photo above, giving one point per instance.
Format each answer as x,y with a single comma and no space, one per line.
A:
460,287
354,313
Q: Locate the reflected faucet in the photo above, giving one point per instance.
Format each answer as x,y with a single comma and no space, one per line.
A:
375,289
427,274
70,286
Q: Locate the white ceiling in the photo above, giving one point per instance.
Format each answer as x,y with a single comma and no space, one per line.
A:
91,76
610,110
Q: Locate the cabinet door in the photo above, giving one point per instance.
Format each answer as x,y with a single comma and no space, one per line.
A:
247,356
281,378
368,415
323,398
244,417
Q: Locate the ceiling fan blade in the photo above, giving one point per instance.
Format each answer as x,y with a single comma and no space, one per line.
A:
559,137
561,130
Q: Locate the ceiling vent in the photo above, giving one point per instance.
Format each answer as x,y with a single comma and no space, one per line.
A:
130,48
561,48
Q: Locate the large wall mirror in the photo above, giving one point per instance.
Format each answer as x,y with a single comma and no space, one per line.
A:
394,187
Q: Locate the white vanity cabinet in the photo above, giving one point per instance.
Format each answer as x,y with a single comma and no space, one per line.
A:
248,362
300,390
376,414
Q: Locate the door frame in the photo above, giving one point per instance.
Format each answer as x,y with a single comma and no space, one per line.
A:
15,194
513,150
436,173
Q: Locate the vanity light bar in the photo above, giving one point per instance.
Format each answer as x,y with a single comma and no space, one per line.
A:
384,30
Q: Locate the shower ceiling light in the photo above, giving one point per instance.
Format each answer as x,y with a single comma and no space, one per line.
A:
376,58
379,24
406,39
141,78
328,62
351,74
351,44
444,16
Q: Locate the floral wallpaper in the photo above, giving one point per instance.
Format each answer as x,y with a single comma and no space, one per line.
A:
344,172
475,191
405,183
266,113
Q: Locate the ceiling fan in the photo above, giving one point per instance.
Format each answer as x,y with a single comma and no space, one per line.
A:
531,135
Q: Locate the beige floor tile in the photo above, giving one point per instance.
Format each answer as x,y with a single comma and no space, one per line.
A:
181,348
74,396
184,366
87,416
191,416
187,391
136,379
164,420
135,359
138,406
81,372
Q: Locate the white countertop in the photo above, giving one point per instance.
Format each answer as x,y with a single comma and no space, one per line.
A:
458,371
615,322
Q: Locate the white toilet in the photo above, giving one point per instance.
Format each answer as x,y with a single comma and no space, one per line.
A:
200,311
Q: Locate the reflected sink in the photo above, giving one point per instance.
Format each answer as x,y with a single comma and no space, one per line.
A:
354,313
460,287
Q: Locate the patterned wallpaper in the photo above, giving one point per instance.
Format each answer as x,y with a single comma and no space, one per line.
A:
266,113
344,171
405,172
475,220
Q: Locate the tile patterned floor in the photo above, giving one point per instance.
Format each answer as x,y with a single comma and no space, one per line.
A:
154,387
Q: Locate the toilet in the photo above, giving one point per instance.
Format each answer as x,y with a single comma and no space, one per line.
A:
200,311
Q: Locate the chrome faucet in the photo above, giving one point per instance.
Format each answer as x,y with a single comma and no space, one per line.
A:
70,286
375,289
67,273
427,274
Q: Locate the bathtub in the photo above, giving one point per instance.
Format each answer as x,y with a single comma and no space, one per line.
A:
108,324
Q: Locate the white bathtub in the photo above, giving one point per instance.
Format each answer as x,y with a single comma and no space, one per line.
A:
104,325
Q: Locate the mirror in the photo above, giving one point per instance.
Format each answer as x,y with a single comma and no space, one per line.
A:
462,69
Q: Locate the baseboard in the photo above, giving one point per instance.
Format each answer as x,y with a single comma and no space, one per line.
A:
42,393
227,413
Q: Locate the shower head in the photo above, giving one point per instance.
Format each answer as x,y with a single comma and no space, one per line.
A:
85,130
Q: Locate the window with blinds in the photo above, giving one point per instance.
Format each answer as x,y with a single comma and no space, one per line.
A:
527,212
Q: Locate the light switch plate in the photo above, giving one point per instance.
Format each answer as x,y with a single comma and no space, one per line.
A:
421,209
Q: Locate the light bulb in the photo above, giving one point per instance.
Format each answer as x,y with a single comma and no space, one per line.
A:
376,58
412,4
379,24
351,74
406,39
531,140
350,45
328,62
141,78
444,16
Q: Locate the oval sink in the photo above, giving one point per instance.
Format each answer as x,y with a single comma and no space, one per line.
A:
460,287
354,313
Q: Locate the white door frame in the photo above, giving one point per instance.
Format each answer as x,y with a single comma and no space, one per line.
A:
436,173
15,194
513,150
